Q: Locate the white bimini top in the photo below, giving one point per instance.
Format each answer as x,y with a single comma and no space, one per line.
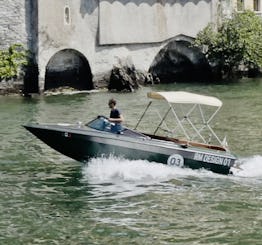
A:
185,98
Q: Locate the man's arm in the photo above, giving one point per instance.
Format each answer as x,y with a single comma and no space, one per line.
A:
117,120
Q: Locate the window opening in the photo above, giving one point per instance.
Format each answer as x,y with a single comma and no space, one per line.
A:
256,5
67,15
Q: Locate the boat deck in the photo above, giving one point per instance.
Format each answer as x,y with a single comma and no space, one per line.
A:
186,143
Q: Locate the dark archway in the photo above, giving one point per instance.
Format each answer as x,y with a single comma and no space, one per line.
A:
70,68
179,61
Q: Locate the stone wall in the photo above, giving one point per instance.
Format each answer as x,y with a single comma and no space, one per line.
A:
70,24
91,27
103,31
12,23
150,21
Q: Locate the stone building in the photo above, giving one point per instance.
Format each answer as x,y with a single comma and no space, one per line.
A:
254,5
77,42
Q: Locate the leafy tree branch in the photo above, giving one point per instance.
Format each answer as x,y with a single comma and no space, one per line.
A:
235,43
11,61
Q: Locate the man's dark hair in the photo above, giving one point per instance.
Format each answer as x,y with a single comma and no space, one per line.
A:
112,101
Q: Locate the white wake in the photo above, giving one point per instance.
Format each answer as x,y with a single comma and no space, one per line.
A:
249,167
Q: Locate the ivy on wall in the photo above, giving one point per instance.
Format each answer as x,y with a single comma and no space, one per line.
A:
11,61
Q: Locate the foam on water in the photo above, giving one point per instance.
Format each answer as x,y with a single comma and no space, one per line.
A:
101,170
112,169
117,177
115,169
249,167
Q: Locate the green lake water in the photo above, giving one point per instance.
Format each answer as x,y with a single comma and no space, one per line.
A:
47,198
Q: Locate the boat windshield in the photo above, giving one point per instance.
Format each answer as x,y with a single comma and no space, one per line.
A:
101,123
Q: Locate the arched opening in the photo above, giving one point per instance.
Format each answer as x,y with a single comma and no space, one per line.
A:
70,68
178,61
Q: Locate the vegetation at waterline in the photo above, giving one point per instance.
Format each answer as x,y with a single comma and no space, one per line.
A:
11,61
235,44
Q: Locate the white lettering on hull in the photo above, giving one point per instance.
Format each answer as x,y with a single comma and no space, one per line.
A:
212,159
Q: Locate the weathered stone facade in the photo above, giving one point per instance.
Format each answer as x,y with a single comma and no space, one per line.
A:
12,22
100,31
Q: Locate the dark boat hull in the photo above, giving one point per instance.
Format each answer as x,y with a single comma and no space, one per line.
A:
81,144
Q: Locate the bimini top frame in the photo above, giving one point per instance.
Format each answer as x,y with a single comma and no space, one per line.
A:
197,101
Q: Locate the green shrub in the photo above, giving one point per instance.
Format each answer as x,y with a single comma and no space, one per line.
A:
11,61
236,43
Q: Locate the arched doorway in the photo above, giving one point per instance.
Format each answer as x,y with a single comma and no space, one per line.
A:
179,61
70,68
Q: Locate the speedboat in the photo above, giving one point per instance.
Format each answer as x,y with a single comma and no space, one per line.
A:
185,142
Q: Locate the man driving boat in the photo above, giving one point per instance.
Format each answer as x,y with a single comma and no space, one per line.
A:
115,117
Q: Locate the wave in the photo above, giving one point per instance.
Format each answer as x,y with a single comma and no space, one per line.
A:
249,167
110,169
118,177
101,170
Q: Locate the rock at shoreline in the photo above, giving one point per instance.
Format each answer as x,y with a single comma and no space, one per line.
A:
123,79
127,78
